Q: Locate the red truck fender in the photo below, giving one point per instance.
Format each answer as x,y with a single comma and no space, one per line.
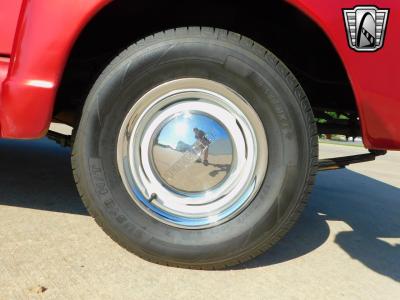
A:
40,51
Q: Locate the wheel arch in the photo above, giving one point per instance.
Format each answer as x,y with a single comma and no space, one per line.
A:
98,38
317,65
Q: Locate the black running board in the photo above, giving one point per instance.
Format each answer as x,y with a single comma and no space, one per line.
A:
341,162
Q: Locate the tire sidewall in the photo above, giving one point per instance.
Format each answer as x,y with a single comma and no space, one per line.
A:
256,80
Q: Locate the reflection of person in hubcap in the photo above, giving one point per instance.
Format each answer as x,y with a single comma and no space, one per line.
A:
202,142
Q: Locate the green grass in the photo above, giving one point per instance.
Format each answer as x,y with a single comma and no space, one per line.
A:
333,142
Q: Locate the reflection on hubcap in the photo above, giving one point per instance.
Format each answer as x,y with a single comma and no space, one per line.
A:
192,153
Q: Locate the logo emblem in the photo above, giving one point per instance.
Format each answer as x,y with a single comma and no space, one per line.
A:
366,26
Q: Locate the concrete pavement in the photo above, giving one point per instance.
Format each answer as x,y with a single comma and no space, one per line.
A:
346,244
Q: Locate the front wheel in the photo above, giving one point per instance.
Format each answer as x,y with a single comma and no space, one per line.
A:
196,148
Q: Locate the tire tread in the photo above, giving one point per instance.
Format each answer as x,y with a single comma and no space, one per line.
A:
293,85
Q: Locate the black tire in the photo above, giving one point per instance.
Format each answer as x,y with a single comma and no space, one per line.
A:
247,68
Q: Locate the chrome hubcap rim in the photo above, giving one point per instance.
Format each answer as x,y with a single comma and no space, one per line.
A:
192,153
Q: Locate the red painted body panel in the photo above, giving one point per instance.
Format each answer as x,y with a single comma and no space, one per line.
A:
45,35
9,11
47,30
4,63
374,76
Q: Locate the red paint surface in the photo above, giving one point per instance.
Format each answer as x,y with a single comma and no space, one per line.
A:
374,76
45,34
47,31
9,11
4,62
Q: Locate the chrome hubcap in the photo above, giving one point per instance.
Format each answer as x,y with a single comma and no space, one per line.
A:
192,153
